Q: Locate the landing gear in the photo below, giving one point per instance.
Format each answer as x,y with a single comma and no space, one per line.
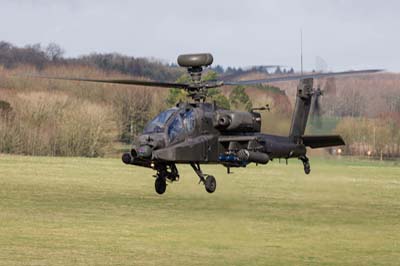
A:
160,185
170,173
306,164
209,181
210,184
164,173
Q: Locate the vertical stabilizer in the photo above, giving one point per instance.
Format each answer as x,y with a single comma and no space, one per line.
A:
301,109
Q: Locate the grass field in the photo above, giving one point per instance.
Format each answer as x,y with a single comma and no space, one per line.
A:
75,211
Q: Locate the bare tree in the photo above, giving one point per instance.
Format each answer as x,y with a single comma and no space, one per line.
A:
54,52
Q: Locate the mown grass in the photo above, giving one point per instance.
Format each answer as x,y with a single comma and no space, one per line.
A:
76,211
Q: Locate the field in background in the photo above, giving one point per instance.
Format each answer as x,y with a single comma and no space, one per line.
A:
75,211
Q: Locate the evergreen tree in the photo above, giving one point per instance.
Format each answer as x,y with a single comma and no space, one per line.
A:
214,94
278,70
176,95
222,101
239,99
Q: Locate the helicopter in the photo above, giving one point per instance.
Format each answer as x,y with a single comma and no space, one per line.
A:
197,132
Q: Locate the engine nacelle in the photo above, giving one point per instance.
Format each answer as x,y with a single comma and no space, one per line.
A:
231,121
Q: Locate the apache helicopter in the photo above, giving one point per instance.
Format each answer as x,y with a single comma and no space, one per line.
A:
197,132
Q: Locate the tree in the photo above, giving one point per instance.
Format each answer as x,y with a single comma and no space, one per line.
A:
214,94
219,69
210,75
177,95
239,99
352,103
221,101
278,70
54,51
379,135
133,110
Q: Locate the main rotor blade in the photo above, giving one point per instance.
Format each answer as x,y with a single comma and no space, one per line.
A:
125,82
298,77
262,66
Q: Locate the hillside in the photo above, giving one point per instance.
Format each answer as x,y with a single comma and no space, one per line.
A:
378,93
54,117
42,57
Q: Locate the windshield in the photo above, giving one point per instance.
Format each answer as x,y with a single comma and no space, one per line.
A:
182,125
176,129
189,121
157,125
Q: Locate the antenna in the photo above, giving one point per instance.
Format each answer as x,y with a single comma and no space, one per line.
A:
301,50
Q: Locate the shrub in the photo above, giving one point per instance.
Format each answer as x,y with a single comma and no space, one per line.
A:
43,123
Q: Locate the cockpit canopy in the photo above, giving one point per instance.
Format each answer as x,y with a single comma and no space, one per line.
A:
157,125
176,123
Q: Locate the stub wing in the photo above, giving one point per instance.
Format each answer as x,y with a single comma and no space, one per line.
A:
322,141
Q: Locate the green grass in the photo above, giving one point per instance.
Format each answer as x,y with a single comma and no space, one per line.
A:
75,211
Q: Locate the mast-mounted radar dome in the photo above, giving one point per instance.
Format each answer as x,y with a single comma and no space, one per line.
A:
195,60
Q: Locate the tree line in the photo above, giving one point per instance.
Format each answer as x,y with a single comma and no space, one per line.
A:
41,56
49,117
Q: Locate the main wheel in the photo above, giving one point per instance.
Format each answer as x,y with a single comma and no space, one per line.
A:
307,168
210,184
160,185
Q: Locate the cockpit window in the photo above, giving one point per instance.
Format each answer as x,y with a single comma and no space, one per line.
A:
157,125
176,129
189,120
181,125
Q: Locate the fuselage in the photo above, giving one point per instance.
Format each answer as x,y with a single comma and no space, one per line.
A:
204,133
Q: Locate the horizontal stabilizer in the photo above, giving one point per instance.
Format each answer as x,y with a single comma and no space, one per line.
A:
322,141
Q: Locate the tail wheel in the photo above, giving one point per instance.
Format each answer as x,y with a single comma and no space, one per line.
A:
306,164
210,184
160,185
